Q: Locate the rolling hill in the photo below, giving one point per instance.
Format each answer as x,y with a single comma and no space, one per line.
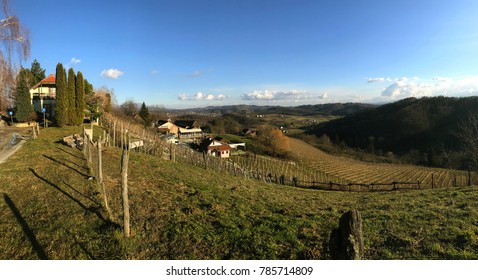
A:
50,210
422,129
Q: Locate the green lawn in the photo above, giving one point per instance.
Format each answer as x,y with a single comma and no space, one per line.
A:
49,209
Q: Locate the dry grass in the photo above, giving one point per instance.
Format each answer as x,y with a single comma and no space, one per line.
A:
49,209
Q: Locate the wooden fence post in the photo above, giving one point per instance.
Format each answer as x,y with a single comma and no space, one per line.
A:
469,177
124,188
346,242
100,177
100,168
34,131
114,133
84,141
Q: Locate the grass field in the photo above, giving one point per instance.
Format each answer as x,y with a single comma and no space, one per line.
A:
50,210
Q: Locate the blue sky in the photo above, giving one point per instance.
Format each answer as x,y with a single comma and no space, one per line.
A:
193,53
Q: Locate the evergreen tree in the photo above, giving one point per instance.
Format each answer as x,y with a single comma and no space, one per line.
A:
71,97
61,115
144,113
37,73
79,98
88,88
24,107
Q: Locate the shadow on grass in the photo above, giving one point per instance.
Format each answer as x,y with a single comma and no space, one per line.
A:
82,194
25,228
70,153
93,210
69,167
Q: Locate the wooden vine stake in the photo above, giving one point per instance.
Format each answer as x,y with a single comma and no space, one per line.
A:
100,175
124,186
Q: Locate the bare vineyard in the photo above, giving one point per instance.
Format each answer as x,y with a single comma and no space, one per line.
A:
316,169
380,173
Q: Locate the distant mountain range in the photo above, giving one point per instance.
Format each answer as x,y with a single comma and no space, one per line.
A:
337,109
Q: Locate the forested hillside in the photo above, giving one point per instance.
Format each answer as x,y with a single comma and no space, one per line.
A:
336,109
426,131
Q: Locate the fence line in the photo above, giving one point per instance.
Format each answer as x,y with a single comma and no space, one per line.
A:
258,167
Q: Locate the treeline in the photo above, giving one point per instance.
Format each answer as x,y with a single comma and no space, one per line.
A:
335,109
427,131
75,96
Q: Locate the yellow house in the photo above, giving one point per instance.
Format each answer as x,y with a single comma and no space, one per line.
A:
43,95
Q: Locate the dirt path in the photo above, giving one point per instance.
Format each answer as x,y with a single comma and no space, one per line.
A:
11,139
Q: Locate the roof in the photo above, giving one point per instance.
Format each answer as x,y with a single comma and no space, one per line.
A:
220,148
50,80
186,123
220,139
192,130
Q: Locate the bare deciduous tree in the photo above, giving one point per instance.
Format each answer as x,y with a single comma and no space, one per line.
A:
14,47
469,135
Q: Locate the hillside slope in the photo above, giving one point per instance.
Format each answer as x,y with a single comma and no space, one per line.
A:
422,128
336,109
50,210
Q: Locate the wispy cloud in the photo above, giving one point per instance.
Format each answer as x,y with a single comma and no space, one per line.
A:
201,96
154,72
270,95
376,80
74,61
196,74
111,73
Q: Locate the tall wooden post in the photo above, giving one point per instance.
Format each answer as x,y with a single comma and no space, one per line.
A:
84,141
34,130
100,176
114,134
124,187
100,168
469,177
88,152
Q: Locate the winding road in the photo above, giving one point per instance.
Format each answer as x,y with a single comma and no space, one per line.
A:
11,140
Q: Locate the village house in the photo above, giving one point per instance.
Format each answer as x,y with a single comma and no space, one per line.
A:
43,95
168,127
216,148
185,130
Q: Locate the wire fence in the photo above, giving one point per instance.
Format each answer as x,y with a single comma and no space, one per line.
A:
251,166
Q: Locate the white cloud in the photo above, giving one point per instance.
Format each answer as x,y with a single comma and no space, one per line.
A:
154,72
415,87
111,73
75,60
276,95
323,95
201,96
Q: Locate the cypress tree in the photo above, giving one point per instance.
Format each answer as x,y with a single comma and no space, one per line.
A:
61,115
71,97
144,113
24,107
80,98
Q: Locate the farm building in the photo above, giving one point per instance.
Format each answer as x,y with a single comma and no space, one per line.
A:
168,127
186,130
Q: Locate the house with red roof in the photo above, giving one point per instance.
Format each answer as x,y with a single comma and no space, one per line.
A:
43,95
216,148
